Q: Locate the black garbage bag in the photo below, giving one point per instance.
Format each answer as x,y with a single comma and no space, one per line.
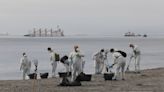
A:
44,75
122,53
63,59
75,83
84,77
32,76
66,82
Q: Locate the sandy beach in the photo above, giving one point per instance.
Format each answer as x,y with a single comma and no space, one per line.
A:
150,80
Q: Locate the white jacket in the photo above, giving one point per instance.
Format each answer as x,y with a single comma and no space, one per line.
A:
52,56
98,56
75,57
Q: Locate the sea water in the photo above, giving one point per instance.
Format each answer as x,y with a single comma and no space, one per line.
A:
11,49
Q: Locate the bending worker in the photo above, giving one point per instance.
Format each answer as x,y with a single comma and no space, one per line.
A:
120,62
53,61
99,61
75,58
66,63
136,54
25,65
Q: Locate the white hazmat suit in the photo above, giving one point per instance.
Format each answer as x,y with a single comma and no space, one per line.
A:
25,66
53,63
120,62
99,62
76,63
137,55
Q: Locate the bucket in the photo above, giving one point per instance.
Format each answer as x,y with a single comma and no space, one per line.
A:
108,76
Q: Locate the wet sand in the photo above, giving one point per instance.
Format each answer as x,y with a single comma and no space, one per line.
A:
150,80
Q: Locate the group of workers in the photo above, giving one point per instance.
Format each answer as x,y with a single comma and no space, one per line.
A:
119,61
74,62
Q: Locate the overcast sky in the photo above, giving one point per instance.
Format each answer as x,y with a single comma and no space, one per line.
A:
83,16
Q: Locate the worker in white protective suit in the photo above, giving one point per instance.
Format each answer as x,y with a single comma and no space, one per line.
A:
137,55
76,60
53,61
25,66
99,61
106,62
120,62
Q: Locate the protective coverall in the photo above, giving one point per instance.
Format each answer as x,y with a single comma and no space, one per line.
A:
120,62
99,62
75,58
53,63
25,66
137,55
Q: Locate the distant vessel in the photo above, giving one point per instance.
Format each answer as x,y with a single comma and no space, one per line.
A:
131,34
46,33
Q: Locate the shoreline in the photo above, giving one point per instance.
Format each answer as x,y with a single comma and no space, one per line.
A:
150,80
88,73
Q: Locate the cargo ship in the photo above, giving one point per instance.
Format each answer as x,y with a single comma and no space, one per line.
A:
46,32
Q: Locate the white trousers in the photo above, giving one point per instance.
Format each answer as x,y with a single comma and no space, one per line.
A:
76,69
137,63
106,66
121,61
54,66
26,72
99,65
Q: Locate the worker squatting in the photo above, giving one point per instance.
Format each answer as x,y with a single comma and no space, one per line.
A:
74,62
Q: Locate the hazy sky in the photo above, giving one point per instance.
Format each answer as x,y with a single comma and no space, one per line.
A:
83,16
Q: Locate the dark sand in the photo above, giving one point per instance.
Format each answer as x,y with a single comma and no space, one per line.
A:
150,80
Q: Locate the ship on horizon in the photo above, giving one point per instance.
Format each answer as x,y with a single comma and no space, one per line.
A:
131,34
46,32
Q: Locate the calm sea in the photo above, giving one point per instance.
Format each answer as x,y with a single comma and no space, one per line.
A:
11,49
